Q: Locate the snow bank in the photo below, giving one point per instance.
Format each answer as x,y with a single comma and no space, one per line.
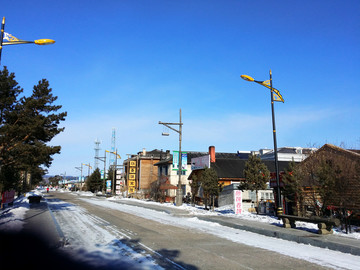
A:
228,210
12,218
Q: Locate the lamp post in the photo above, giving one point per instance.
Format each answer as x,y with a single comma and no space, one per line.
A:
11,40
275,96
89,167
169,125
81,170
114,167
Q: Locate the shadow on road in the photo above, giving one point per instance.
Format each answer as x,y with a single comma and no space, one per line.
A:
166,258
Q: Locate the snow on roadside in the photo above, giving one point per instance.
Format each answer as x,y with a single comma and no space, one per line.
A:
94,241
228,210
12,218
309,253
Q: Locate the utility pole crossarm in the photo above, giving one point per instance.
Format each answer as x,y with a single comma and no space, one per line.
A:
101,158
168,125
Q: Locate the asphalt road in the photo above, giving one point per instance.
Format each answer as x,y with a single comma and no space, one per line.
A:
181,248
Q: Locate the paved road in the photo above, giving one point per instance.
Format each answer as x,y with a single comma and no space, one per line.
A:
181,248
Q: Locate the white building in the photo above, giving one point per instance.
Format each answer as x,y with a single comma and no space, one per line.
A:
296,154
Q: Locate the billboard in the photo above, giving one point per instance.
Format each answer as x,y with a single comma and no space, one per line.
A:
199,163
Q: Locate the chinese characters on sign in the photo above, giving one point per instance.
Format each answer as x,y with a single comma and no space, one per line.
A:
238,201
132,176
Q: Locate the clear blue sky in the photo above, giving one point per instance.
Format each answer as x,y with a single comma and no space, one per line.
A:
129,64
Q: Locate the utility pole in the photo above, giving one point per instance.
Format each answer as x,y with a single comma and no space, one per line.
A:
169,125
81,170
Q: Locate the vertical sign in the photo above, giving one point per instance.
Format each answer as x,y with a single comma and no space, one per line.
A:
238,201
183,161
132,177
108,185
176,161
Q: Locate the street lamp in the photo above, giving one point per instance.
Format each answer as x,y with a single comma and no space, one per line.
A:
89,167
114,166
178,191
11,40
81,170
275,96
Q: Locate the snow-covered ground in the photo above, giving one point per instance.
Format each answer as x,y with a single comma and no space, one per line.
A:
12,218
324,257
229,212
93,240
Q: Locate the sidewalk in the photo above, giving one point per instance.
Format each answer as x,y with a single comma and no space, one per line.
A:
40,223
333,242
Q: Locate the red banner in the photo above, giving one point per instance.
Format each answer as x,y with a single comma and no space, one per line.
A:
8,196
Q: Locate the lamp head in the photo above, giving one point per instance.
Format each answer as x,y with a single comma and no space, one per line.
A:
247,78
44,41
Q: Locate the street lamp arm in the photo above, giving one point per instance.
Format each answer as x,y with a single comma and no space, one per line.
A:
115,153
168,126
265,84
101,158
37,42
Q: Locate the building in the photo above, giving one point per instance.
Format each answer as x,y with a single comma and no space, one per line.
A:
297,154
331,178
168,178
230,171
141,171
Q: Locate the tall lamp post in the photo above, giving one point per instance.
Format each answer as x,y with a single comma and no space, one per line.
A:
169,125
81,170
275,96
89,167
114,166
7,39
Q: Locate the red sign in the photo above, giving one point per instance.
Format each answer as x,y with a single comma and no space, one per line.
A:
8,196
238,201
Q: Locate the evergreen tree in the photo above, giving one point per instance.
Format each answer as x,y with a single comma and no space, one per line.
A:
256,175
195,185
210,184
27,124
94,182
293,188
327,174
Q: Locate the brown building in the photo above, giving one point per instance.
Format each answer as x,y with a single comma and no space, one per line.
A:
140,170
331,178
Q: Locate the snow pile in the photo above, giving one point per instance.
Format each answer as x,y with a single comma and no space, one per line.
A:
228,210
83,193
12,218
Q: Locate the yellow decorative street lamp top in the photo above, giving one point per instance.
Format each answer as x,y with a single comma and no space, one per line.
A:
8,39
276,93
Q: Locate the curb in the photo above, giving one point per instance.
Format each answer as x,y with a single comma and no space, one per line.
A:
301,237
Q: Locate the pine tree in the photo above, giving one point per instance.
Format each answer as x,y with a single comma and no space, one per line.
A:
94,182
293,188
256,175
27,125
195,186
210,184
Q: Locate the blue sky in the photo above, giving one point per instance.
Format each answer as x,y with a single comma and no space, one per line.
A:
129,64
